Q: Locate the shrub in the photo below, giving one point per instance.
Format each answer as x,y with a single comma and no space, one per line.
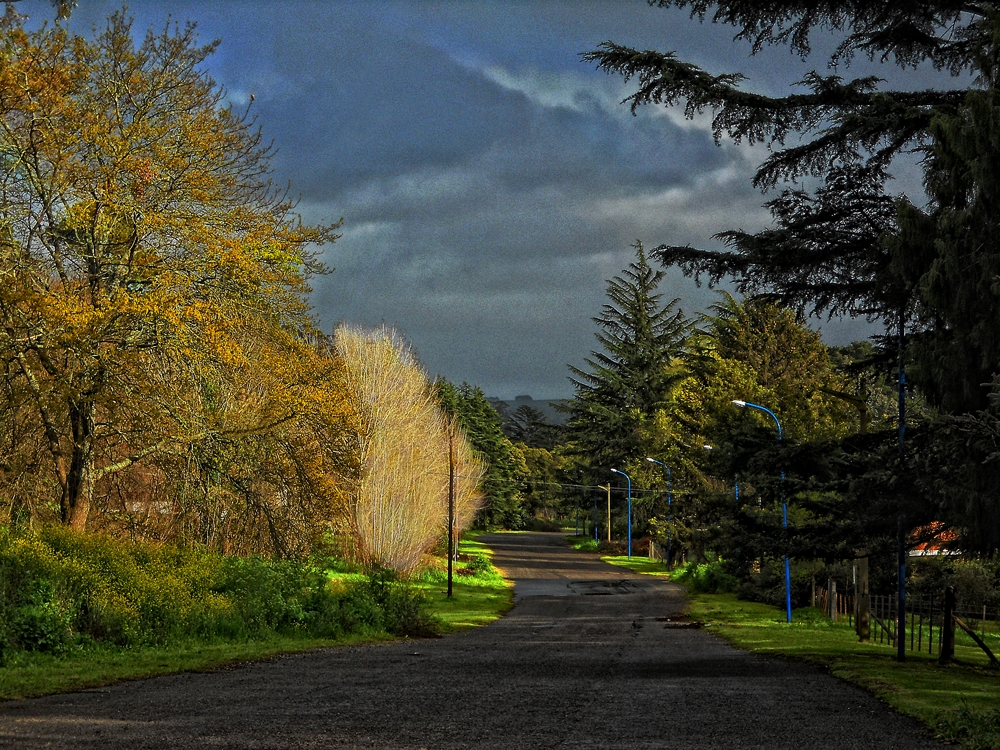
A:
399,607
705,578
768,586
482,567
61,587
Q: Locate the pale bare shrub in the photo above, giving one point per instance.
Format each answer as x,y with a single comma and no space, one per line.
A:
401,503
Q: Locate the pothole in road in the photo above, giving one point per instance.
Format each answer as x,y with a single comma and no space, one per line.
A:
679,623
602,588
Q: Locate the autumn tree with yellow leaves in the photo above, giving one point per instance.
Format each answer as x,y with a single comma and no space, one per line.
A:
151,276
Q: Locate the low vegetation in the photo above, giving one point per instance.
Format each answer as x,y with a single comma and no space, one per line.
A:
81,610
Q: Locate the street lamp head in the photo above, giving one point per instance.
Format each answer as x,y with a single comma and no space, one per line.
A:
708,447
615,471
739,403
651,460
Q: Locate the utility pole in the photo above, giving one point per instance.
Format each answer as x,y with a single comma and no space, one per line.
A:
608,488
901,521
451,503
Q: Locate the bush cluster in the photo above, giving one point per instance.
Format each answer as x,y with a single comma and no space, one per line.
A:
767,585
704,578
60,589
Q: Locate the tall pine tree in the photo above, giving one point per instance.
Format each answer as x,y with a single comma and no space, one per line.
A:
632,375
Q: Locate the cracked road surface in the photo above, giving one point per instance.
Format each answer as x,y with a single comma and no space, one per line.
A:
583,661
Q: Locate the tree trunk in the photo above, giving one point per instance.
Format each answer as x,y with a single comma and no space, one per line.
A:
864,602
78,489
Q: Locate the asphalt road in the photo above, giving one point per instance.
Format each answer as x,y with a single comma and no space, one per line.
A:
585,660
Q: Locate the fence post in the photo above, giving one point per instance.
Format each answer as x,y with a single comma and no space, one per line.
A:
832,601
946,633
864,602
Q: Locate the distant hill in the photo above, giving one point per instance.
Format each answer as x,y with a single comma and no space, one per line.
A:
547,408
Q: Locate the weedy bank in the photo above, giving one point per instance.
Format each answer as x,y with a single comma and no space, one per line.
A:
81,610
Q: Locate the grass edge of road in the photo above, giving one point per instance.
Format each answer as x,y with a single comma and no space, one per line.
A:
635,563
959,703
476,601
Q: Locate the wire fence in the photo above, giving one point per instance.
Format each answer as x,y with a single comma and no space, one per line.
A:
924,617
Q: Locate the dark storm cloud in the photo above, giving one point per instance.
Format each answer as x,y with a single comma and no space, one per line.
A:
489,181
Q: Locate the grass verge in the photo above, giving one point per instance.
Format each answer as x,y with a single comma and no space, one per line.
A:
958,702
34,674
638,564
480,594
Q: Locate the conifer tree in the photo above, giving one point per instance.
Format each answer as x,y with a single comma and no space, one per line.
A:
828,250
503,504
633,373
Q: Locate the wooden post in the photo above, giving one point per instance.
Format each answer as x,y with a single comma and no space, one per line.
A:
946,633
451,505
864,602
831,600
608,488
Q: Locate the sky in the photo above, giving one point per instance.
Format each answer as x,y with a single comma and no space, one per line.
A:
489,181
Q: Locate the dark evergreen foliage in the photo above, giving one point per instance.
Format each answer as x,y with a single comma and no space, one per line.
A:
529,426
504,506
631,376
845,249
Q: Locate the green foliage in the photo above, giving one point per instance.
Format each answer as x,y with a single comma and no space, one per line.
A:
767,585
976,581
704,578
62,589
392,605
633,373
505,469
583,543
529,427
482,567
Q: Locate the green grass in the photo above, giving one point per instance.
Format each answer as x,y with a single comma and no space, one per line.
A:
582,543
32,674
959,702
638,564
471,604
476,600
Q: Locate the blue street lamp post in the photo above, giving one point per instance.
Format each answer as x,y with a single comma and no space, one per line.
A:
669,498
784,505
629,480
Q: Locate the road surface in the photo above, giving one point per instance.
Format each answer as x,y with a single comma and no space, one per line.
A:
585,660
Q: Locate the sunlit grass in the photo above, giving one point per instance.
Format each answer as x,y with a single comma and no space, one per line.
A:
638,564
583,543
476,599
